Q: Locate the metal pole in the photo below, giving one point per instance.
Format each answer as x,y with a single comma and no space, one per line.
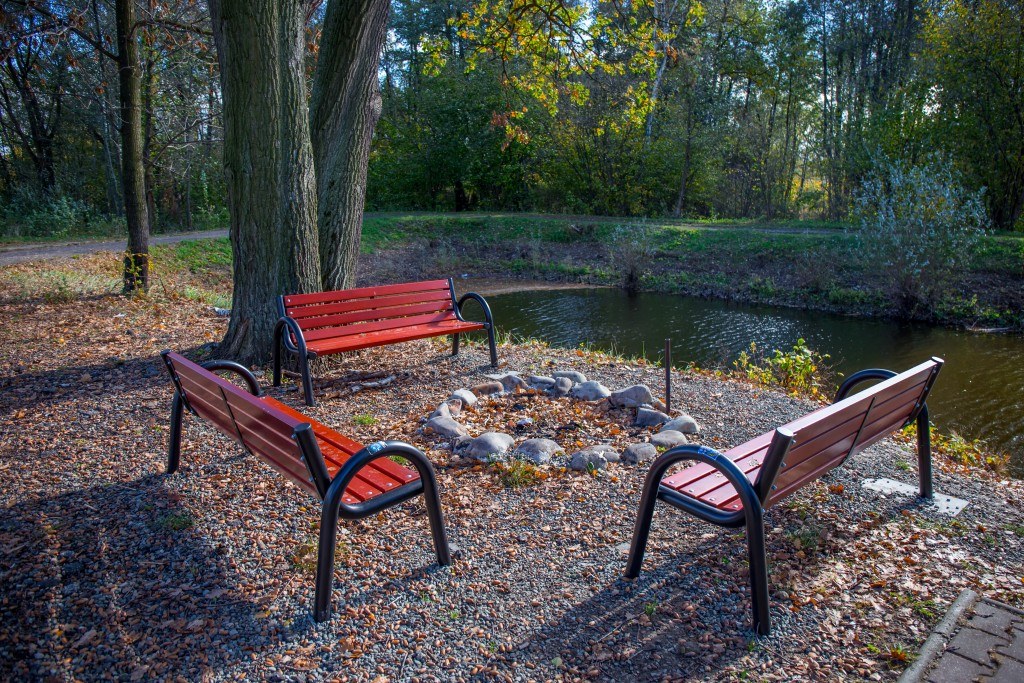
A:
668,376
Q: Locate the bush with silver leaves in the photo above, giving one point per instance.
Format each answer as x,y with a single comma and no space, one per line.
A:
918,225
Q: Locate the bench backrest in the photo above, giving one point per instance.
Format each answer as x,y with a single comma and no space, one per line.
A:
327,315
827,437
261,429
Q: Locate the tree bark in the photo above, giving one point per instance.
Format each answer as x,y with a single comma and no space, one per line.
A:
136,258
268,165
344,109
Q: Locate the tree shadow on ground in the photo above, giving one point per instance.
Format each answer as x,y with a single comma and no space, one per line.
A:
96,581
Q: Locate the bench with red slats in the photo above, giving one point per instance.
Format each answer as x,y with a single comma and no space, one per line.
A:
733,488
325,323
351,480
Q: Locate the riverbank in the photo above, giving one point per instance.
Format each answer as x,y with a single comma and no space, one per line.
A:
816,267
799,264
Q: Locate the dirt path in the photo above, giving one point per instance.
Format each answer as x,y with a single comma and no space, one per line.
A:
20,253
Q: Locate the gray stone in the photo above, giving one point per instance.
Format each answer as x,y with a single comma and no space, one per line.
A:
538,451
590,391
488,388
445,426
639,452
541,382
561,387
668,438
443,410
486,447
646,417
524,422
683,423
604,450
513,383
467,397
576,377
587,459
631,397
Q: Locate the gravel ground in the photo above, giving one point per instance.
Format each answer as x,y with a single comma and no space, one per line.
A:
110,569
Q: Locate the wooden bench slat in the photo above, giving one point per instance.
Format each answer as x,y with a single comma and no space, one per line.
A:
383,475
364,292
302,312
365,341
344,324
358,329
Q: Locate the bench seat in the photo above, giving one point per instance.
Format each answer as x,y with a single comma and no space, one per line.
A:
355,342
351,480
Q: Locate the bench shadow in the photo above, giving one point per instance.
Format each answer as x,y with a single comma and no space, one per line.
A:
95,581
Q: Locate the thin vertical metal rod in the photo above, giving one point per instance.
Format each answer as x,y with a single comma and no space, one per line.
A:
668,376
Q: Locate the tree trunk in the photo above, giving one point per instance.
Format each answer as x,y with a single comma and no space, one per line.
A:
136,258
268,165
344,109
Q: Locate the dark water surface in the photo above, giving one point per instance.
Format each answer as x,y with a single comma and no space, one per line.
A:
978,393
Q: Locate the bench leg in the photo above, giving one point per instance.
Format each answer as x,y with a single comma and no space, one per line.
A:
642,528
494,348
307,381
433,502
455,344
174,447
924,454
758,572
277,358
325,561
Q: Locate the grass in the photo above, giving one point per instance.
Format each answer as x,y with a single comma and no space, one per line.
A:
364,420
177,521
516,474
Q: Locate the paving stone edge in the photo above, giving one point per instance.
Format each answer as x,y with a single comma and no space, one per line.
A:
936,642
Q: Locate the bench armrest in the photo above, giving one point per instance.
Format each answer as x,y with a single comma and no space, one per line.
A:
858,377
239,369
286,322
364,457
709,456
488,318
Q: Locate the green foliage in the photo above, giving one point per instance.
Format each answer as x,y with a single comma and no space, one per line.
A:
800,370
364,420
968,452
517,473
177,521
917,225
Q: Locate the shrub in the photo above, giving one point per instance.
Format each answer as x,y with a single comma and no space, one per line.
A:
918,226
801,370
632,252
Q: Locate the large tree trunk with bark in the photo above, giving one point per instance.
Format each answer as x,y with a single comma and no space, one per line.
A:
344,109
136,258
268,165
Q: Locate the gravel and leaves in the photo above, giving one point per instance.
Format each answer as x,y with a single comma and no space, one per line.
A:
111,569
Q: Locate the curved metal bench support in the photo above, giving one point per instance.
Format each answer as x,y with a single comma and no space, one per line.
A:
334,508
751,516
298,349
488,323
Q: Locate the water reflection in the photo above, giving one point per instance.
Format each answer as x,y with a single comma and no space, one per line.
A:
977,394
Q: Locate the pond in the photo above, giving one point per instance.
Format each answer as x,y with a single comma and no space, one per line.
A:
977,395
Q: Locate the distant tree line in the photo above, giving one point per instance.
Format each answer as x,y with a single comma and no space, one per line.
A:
720,108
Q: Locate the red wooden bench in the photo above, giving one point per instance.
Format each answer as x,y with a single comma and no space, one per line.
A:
733,488
351,480
351,319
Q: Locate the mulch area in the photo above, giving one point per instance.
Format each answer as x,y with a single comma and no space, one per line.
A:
111,569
